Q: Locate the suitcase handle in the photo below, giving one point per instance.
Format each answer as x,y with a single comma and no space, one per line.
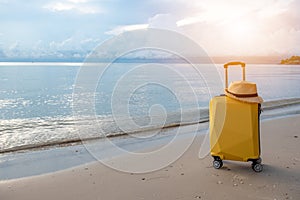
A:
243,65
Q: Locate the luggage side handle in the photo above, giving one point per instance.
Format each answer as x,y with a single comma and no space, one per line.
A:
242,64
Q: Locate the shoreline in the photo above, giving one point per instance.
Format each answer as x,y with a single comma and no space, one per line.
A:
187,178
72,151
271,109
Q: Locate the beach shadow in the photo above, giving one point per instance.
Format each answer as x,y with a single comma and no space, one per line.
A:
270,173
275,173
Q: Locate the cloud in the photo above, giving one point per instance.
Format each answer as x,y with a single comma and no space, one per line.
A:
78,1
79,6
274,8
75,43
189,20
15,46
221,27
279,43
120,29
244,27
56,7
89,43
163,21
15,49
67,44
216,11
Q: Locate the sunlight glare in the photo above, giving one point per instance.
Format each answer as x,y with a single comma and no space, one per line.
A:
241,30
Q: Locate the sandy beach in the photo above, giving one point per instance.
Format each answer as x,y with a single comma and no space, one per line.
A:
129,100
187,178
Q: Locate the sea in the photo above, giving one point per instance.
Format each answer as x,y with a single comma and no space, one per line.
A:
48,104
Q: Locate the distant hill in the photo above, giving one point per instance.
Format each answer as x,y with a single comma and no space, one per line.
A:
149,59
247,59
294,60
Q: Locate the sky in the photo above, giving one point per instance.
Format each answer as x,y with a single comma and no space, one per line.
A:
37,28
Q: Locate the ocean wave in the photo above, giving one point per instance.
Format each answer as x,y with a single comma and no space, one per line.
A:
33,133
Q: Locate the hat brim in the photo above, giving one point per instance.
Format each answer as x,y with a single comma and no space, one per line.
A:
256,99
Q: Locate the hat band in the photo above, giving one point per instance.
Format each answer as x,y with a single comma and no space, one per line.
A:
242,95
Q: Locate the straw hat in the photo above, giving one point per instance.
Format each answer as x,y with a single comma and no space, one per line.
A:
243,91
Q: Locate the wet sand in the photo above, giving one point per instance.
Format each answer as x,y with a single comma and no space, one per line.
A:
187,178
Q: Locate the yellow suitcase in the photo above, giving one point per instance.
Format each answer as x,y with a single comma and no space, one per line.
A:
234,128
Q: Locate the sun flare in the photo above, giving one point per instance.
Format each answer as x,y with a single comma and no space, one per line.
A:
241,30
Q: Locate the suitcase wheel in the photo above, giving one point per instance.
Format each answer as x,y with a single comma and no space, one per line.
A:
257,167
217,163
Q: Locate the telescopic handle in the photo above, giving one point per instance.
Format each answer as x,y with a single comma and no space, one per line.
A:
242,64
